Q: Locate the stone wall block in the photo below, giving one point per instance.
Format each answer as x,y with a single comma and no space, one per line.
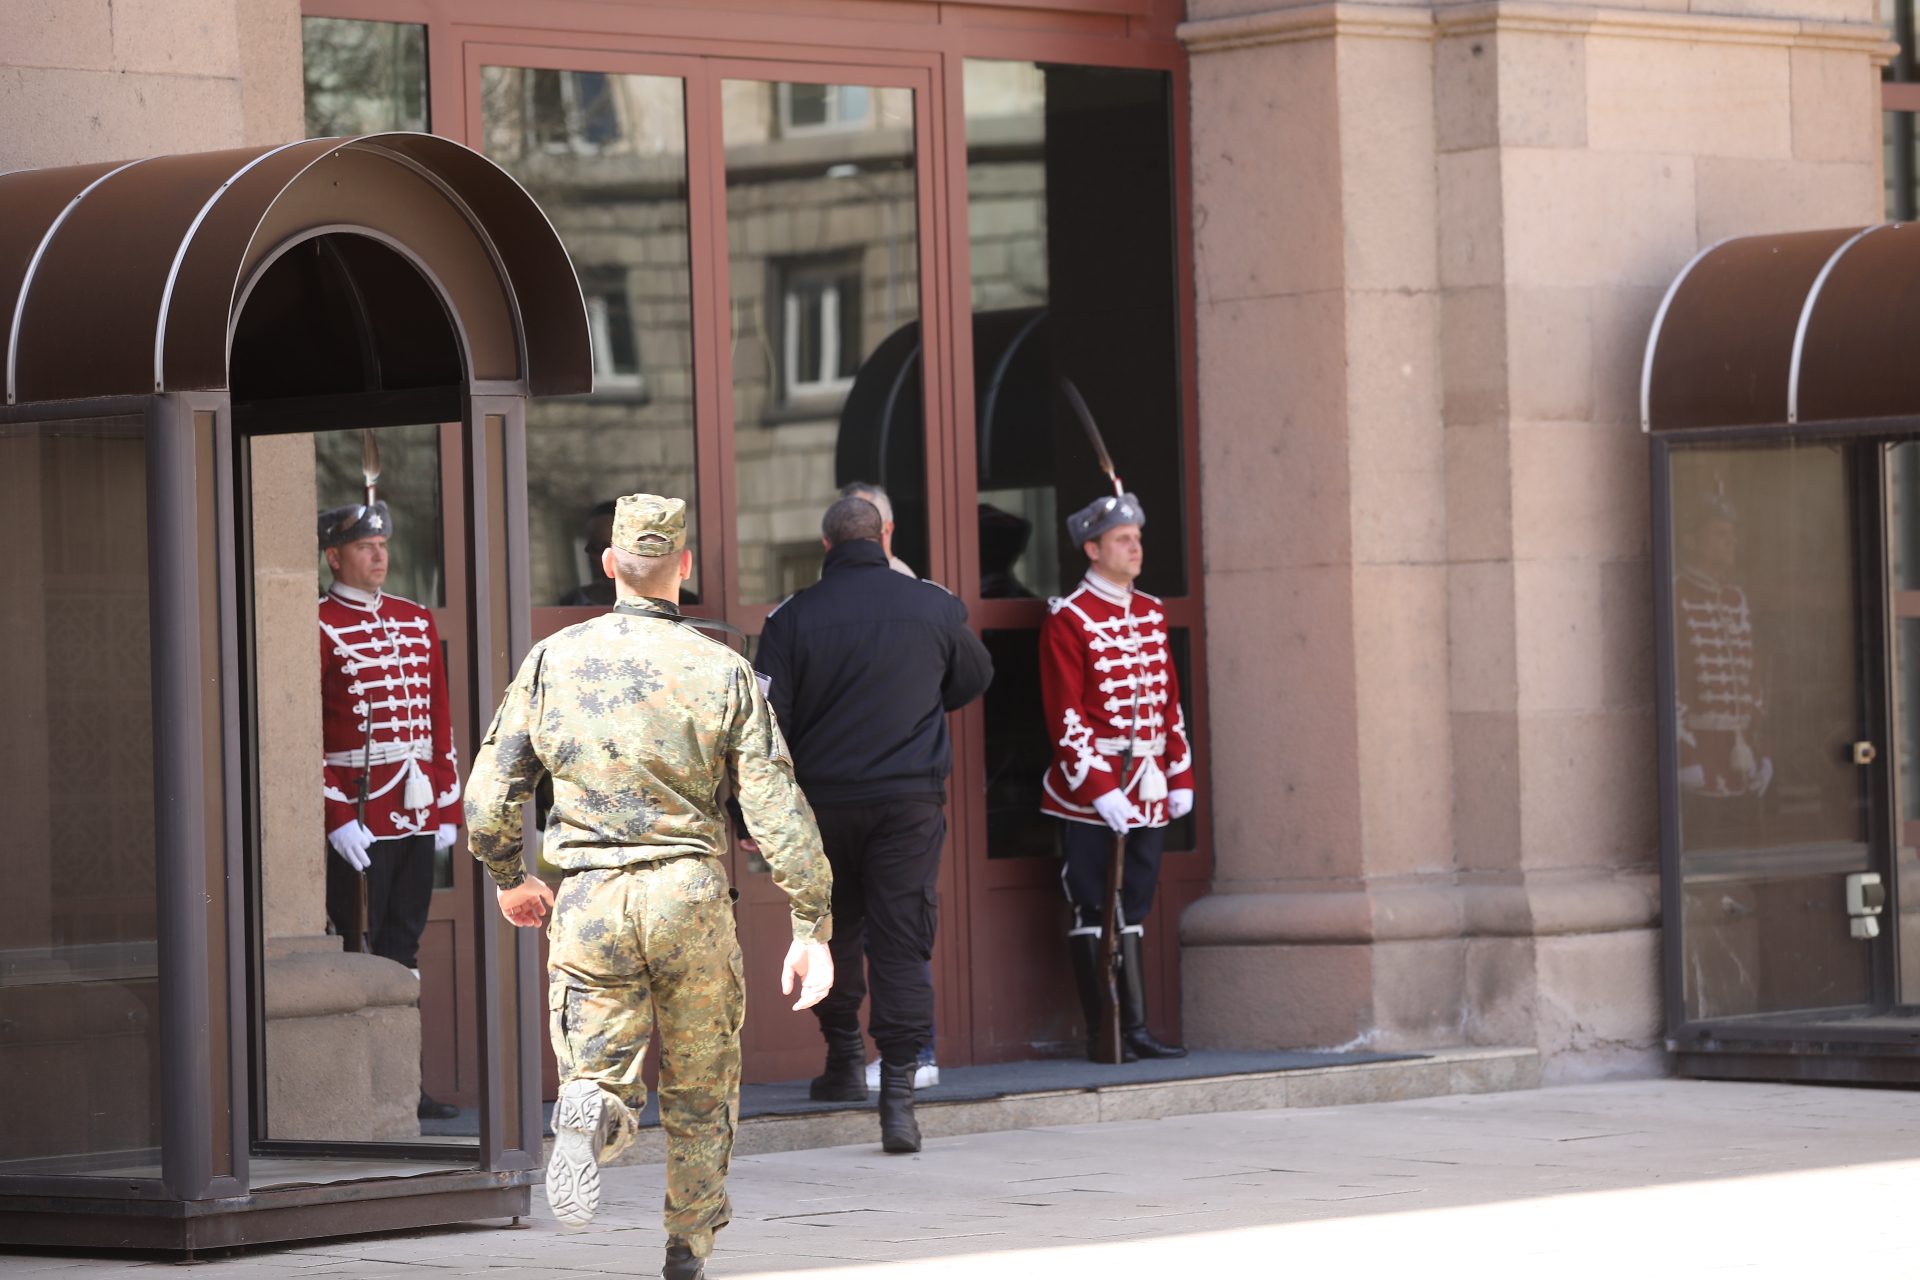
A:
1702,98
1473,355
1543,88
1419,993
1482,674
1597,217
176,37
1558,644
1626,632
57,117
1479,493
1466,93
1579,491
272,80
1754,197
1273,392
1587,788
1386,125
1486,792
1472,218
1295,795
1274,997
1833,94
1550,353
72,34
1398,464
1499,991
1267,119
1405,760
1622,319
1599,1006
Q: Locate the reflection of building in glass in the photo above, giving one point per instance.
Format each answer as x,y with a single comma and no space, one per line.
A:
364,77
606,157
824,269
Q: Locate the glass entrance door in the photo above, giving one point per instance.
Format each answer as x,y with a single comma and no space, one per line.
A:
1774,604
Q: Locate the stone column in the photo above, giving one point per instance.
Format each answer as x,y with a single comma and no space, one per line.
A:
1429,243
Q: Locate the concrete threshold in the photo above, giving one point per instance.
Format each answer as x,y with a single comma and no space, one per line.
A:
1438,1073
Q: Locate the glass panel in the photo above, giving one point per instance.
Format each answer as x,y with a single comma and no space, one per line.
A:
1767,692
1018,750
364,77
606,157
409,485
354,697
79,999
825,294
1903,563
1070,172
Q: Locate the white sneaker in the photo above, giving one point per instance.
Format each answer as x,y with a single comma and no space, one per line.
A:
580,1118
925,1076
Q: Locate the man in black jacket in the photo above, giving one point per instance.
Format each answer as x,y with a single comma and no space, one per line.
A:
864,666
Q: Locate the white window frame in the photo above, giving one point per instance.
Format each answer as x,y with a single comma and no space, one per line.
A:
798,388
836,121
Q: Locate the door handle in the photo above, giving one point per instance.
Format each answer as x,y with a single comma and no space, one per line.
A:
1864,752
1866,899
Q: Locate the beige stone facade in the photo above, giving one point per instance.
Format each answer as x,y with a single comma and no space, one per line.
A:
1430,244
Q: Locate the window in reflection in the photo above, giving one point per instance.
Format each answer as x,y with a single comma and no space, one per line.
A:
79,1001
1767,702
825,300
1070,230
363,77
606,157
1903,563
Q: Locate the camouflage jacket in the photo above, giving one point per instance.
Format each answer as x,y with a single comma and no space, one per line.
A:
638,719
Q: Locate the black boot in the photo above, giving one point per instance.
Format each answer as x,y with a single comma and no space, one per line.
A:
845,1079
434,1109
1085,949
682,1265
1133,1006
899,1131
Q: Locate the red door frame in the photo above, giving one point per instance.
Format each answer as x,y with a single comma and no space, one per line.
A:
920,46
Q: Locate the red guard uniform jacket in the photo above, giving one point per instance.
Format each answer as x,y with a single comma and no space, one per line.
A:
1101,645
381,653
1716,700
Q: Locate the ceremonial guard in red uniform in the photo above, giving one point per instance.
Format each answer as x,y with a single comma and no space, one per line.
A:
385,722
1718,698
1121,762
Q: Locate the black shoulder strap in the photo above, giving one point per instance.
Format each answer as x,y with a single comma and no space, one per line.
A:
705,624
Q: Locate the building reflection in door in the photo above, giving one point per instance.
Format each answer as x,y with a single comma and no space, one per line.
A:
1767,704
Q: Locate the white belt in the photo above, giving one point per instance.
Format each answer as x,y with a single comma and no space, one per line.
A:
382,753
1118,746
419,792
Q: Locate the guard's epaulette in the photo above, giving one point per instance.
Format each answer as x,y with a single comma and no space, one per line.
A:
1056,603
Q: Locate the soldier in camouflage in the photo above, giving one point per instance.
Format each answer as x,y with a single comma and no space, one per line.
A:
639,720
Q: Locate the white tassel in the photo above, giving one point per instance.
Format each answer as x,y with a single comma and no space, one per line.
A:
1153,783
419,792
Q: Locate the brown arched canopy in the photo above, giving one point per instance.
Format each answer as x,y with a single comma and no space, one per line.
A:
130,279
1809,327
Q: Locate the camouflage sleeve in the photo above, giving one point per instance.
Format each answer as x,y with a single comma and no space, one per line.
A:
778,816
505,773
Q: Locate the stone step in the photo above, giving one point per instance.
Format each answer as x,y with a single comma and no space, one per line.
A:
1436,1074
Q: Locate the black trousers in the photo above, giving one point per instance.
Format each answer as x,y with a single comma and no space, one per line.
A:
886,860
399,893
1088,850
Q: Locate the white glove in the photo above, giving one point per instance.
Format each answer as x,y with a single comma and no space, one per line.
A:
1693,777
351,840
1761,778
443,838
1179,802
1117,811
812,964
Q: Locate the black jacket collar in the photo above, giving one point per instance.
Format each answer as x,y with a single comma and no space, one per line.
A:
860,553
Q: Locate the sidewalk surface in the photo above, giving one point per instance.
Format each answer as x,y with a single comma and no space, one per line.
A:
1660,1178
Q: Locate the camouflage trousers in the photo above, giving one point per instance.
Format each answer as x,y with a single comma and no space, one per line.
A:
653,942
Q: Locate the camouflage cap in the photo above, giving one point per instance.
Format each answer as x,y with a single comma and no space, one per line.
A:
647,525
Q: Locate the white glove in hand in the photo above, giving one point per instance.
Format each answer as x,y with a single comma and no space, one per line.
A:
351,841
1117,811
443,838
1761,778
1179,802
812,964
